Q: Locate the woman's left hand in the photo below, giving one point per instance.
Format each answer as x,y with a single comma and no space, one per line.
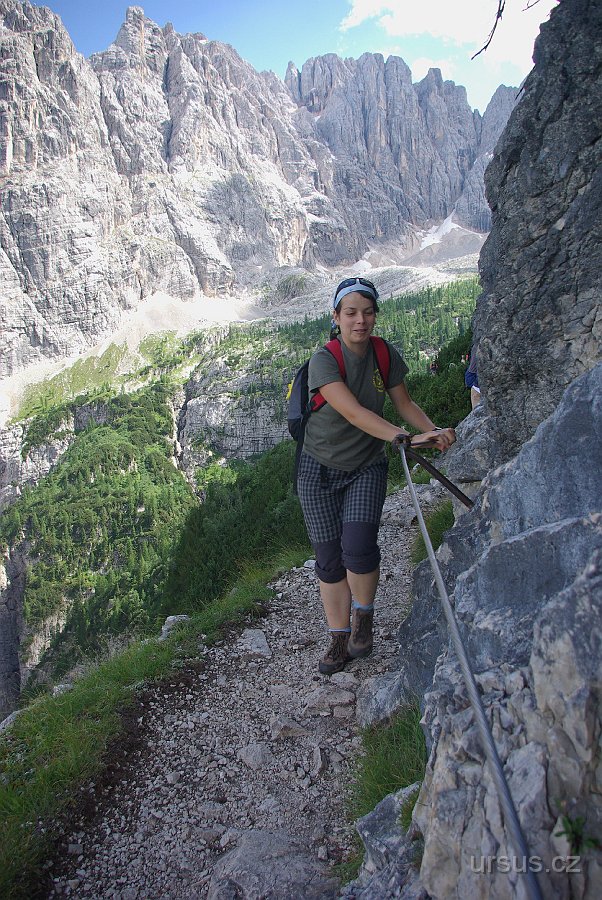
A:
442,438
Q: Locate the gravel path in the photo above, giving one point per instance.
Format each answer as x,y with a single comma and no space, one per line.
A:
252,753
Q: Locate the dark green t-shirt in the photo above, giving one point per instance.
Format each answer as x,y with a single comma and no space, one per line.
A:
329,437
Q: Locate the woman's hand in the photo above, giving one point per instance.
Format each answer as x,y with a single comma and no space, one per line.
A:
442,438
439,438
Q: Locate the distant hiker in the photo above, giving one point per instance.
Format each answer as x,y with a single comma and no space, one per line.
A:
342,477
471,379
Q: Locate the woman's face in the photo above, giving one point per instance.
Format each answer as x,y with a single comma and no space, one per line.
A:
355,316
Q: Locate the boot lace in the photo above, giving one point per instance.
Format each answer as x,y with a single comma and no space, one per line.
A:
338,648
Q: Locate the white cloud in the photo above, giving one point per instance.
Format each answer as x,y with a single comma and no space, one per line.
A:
361,10
460,22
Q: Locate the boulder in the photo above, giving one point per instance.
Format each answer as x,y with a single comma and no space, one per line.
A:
270,865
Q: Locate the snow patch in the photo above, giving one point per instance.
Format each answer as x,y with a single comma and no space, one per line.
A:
436,234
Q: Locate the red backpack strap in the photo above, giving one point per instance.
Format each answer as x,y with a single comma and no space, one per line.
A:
383,357
334,347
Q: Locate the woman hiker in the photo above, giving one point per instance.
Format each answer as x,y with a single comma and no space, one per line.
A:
342,476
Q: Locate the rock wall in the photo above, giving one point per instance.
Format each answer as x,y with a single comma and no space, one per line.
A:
525,565
168,164
538,324
12,576
234,408
529,603
17,470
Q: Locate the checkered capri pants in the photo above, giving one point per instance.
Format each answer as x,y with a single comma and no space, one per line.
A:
342,513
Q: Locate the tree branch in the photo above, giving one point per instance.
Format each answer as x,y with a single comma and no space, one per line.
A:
500,11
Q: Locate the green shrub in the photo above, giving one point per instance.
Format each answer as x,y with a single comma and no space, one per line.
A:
394,756
437,523
244,517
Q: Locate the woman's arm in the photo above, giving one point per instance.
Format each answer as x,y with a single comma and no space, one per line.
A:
408,410
338,395
414,415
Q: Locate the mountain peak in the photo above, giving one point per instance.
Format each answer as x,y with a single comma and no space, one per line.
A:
189,173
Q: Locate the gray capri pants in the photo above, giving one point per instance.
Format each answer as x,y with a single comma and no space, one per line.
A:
342,513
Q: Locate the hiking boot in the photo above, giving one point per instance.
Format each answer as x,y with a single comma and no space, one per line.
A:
336,656
360,642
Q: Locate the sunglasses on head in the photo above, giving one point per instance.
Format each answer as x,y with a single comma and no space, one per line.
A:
348,283
351,281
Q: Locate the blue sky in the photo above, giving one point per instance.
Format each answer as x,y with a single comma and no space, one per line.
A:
269,33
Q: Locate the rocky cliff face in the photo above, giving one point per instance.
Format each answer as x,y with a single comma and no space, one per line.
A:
17,469
525,564
417,144
12,578
539,324
167,163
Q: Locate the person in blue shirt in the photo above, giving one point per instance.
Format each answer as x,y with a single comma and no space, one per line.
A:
471,379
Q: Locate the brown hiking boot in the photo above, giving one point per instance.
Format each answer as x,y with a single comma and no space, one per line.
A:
336,656
360,642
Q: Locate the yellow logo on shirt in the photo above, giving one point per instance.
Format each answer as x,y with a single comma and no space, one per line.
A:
377,381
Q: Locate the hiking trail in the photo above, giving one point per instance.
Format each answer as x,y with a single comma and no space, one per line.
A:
233,781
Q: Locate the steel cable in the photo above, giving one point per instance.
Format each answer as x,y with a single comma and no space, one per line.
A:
499,779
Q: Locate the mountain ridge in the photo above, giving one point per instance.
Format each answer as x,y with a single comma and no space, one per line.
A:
168,164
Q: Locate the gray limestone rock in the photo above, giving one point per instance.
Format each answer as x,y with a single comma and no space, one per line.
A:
253,644
538,322
391,859
380,140
269,865
472,208
525,531
324,699
381,832
257,755
380,697
170,623
281,728
497,599
5,723
544,725
167,164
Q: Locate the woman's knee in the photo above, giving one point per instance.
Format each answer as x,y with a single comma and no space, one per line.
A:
329,564
361,553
